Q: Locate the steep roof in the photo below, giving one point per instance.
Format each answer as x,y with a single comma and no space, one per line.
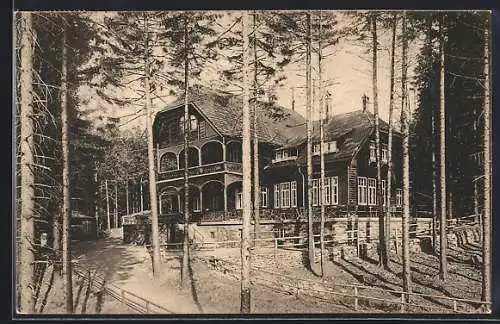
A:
350,130
275,124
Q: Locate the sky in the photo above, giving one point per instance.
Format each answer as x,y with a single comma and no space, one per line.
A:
348,70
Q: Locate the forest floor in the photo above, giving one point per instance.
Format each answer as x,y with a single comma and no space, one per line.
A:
281,283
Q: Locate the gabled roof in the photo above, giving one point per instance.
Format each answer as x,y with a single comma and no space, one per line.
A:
276,125
350,130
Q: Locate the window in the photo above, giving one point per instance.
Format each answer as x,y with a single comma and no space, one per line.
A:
385,156
384,196
285,154
315,192
373,153
399,197
316,148
335,190
331,147
193,123
285,194
362,191
263,197
276,196
196,204
372,191
181,125
239,199
327,191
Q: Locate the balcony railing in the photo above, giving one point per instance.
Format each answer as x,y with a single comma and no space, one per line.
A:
202,169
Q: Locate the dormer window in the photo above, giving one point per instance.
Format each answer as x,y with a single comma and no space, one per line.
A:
328,147
285,155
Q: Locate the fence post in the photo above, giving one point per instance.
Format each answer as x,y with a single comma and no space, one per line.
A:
275,247
402,302
454,305
147,306
356,302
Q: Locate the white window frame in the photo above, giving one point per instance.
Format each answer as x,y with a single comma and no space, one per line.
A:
384,153
285,194
277,195
334,182
384,194
263,197
196,204
399,197
327,193
238,199
372,191
362,191
315,194
293,194
316,149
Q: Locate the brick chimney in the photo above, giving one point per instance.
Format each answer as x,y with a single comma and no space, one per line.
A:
365,100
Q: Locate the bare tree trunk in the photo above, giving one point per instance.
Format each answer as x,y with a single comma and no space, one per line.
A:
26,254
434,187
309,145
389,140
126,197
322,149
142,197
486,286
256,175
66,232
405,126
381,224
443,265
185,243
116,204
151,161
107,206
247,178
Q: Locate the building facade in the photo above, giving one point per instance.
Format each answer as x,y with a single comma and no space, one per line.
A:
214,161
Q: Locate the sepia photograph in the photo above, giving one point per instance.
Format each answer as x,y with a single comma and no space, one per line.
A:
252,162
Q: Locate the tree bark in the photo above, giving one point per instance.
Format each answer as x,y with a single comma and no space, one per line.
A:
107,206
185,244
116,204
247,178
256,175
406,165
389,140
322,149
381,216
26,254
443,265
66,232
309,144
434,186
151,162
486,284
126,197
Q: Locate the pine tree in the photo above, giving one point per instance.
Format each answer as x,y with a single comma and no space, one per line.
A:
26,255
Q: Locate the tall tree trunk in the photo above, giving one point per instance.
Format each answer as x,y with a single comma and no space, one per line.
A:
142,197
322,148
381,216
185,244
310,238
486,286
27,195
434,185
405,126
247,178
116,204
389,140
256,175
107,206
151,161
443,265
126,197
66,232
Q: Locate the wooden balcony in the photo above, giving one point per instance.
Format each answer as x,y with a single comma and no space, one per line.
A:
212,168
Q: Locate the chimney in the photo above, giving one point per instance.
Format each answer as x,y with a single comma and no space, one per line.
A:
366,100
